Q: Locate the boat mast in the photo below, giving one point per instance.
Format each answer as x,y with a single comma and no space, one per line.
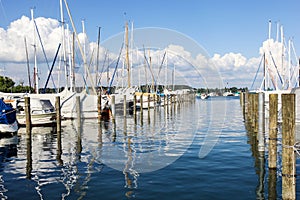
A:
131,48
265,72
289,66
63,42
282,54
73,62
35,69
28,67
127,55
270,26
79,46
70,59
84,47
97,62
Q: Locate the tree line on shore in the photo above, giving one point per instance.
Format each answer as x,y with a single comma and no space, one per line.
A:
8,85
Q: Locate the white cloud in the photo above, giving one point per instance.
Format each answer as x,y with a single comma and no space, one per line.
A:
230,67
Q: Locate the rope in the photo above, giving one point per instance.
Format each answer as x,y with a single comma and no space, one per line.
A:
5,113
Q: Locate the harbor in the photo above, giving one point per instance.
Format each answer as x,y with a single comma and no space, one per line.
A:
160,100
134,158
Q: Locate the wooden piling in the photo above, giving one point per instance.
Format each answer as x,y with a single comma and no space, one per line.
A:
99,106
246,104
288,141
124,106
250,110
149,102
113,106
255,112
241,98
141,104
58,114
273,118
28,114
134,105
78,110
261,124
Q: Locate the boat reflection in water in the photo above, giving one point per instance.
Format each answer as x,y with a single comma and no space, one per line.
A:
8,150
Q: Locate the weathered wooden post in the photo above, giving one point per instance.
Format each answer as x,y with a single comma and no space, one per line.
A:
141,109
149,98
149,103
99,106
260,124
28,114
241,98
58,114
288,141
78,110
124,106
28,138
58,130
141,104
255,112
113,106
273,118
134,105
250,110
246,105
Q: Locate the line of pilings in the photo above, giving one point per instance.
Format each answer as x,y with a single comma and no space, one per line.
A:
254,106
147,99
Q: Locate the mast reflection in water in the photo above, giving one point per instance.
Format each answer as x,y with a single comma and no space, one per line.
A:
148,157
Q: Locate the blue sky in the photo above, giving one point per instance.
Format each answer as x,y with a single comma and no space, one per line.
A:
221,27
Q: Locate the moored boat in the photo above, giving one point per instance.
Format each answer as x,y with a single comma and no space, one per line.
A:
8,121
41,110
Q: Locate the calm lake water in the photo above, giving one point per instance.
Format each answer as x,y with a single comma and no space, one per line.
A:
156,156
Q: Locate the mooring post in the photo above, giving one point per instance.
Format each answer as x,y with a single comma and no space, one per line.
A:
28,138
250,110
261,118
273,118
255,110
241,98
99,106
124,106
58,114
243,101
78,110
141,104
246,104
113,106
148,103
28,114
134,105
288,141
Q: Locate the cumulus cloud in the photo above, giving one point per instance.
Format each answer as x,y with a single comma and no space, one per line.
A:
196,69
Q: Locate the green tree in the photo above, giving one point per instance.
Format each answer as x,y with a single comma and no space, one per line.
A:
6,84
